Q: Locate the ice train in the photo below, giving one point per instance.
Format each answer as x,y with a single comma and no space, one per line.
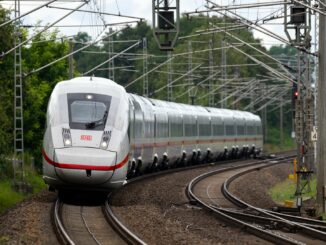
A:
98,135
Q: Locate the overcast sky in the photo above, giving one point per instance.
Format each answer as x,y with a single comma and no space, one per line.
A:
139,8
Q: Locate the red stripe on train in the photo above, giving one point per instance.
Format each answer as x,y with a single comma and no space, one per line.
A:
84,166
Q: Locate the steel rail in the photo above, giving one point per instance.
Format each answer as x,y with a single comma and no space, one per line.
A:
59,227
288,218
264,220
227,218
124,232
118,226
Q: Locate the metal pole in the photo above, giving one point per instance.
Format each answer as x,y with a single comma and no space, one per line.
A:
18,159
252,97
111,53
321,106
145,68
169,78
192,91
281,123
211,71
298,126
224,76
70,59
265,92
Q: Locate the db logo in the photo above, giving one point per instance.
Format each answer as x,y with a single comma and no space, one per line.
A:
86,137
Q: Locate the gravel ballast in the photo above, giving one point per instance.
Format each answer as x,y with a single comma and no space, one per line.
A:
160,213
157,210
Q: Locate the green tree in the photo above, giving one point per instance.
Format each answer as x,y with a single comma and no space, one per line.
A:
38,86
6,84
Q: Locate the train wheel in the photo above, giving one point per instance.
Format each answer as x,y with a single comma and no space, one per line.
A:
165,163
132,169
198,158
183,161
138,168
154,165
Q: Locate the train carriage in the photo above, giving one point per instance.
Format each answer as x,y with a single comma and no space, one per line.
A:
97,135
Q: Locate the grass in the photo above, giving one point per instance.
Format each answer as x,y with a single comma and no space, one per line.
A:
8,196
286,191
270,148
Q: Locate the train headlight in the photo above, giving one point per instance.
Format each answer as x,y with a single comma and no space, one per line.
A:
67,142
66,137
104,145
105,140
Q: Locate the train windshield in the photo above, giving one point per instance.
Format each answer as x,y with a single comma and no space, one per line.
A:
88,111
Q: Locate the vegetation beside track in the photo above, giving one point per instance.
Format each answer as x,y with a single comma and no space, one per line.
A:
286,191
8,195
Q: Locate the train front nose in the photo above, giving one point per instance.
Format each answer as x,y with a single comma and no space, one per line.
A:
84,166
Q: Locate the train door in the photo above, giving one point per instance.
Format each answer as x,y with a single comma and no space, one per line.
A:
148,122
138,129
131,129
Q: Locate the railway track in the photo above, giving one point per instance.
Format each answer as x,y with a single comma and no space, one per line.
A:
71,224
77,223
84,224
210,190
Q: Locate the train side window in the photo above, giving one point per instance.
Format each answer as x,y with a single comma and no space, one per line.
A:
188,130
250,130
240,129
229,130
204,129
176,129
218,129
155,128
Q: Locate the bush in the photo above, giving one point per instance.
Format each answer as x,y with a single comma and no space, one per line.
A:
6,170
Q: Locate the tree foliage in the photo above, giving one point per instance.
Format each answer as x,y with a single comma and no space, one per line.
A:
6,83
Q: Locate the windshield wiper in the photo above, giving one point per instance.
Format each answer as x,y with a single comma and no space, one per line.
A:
94,124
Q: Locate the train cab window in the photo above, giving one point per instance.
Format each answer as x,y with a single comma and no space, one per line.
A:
259,131
88,111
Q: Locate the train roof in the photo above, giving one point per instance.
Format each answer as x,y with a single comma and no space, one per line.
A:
88,85
103,86
190,109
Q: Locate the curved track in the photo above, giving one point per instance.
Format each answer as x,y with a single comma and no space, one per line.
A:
312,227
73,225
83,224
207,191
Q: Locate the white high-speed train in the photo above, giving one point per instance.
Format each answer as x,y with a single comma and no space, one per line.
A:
98,135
